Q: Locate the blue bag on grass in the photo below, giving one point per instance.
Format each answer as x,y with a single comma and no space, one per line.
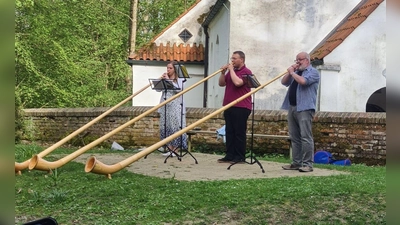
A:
324,157
342,162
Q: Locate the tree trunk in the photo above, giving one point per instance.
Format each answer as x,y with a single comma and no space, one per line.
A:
132,41
132,38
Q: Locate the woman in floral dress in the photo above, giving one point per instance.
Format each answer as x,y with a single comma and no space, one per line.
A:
172,115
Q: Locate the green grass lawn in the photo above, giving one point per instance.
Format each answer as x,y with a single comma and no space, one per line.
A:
72,196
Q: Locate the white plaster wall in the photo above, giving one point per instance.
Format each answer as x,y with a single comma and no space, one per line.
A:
189,22
329,98
362,57
141,74
272,32
219,55
149,97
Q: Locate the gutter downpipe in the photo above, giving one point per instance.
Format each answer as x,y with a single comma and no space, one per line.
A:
205,87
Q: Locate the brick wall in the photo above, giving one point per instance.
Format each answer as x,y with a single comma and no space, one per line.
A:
358,136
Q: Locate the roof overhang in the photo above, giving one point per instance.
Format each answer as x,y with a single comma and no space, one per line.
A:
131,62
213,12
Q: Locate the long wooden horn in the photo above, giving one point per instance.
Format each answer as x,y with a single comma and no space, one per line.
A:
38,163
95,166
21,166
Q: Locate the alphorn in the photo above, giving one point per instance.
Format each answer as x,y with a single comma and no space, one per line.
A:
95,166
21,166
38,163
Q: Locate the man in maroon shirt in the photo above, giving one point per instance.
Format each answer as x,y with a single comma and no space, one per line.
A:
236,116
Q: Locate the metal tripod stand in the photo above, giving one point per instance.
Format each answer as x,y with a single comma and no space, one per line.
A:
182,149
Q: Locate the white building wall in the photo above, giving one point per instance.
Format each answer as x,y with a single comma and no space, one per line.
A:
149,97
362,58
272,32
329,101
192,22
219,54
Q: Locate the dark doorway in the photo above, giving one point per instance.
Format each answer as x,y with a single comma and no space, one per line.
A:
377,101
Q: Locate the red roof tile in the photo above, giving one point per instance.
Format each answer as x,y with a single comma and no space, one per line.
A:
182,52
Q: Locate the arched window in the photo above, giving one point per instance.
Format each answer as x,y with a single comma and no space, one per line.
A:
377,101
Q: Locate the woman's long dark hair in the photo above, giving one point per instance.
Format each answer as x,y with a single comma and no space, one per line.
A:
174,64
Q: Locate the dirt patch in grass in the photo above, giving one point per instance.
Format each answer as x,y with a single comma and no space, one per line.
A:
206,168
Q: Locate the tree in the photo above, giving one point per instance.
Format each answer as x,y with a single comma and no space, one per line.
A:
69,56
71,53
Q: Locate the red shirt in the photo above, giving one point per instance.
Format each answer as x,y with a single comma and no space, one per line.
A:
232,92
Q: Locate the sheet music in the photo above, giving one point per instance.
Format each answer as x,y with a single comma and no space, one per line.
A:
251,81
181,71
163,84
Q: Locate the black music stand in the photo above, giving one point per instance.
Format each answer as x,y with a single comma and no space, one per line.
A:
252,82
182,73
164,85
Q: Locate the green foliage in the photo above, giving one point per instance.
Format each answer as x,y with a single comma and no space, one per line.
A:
71,53
54,175
24,152
19,121
204,147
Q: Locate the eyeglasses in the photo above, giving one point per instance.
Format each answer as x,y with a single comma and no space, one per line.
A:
298,60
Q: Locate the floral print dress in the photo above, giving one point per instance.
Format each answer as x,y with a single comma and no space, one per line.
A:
172,116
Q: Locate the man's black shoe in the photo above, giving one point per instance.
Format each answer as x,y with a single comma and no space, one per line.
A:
224,160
